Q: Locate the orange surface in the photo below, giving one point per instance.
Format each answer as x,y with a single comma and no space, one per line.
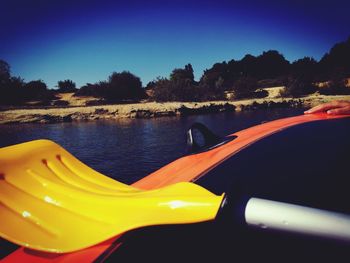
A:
188,168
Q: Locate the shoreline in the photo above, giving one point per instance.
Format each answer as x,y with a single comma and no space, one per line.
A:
154,109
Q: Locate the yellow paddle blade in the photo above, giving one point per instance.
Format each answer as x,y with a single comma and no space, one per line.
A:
51,201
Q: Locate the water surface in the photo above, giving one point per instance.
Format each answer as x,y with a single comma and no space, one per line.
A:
129,149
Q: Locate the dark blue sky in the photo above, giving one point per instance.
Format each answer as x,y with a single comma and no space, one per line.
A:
87,40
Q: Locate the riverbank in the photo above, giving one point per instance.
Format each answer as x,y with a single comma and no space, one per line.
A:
153,109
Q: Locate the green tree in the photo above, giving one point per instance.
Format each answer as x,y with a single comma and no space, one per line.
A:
66,86
336,60
180,87
97,90
244,87
180,74
271,64
298,85
163,90
124,86
35,90
216,80
36,86
247,66
336,85
306,65
13,92
4,72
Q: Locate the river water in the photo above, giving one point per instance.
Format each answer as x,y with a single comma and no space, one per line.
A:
129,149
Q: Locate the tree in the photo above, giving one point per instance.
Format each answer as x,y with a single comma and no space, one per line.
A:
36,86
163,90
124,86
306,65
336,60
4,72
298,85
66,86
12,92
244,87
271,64
247,66
181,86
218,78
35,89
337,85
182,74
95,90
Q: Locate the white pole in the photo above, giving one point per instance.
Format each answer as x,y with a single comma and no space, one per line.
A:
295,218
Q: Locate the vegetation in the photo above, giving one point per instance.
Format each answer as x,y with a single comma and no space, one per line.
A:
66,86
120,87
179,87
243,78
14,91
298,85
123,86
336,85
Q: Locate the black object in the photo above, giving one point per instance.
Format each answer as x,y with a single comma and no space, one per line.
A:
200,138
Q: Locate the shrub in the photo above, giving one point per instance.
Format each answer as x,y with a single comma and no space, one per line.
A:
124,86
94,90
260,93
297,86
336,86
66,86
244,87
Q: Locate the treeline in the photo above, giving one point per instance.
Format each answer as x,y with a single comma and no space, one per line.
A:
120,87
15,91
243,78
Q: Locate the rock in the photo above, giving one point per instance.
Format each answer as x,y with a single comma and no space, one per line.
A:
211,108
100,111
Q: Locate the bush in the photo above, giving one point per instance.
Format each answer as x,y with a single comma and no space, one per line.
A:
180,87
120,87
66,86
12,91
37,90
297,86
244,87
336,86
260,93
163,90
97,90
176,90
124,86
181,90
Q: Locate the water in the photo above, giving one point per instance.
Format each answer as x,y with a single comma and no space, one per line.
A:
129,149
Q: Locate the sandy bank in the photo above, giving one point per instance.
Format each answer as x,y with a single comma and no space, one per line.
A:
152,109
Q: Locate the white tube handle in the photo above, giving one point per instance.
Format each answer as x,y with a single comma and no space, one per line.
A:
269,214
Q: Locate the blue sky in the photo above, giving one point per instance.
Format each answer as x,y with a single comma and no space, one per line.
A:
87,40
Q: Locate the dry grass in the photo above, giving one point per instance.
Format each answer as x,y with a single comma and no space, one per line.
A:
79,112
75,101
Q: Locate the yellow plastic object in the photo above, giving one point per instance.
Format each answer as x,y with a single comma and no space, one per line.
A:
51,201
